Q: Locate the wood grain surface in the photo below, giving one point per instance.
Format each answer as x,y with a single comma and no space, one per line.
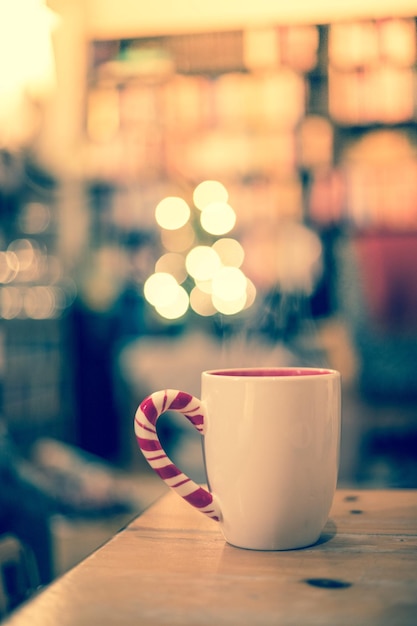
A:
172,566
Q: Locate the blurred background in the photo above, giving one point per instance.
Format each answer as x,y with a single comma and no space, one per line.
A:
185,190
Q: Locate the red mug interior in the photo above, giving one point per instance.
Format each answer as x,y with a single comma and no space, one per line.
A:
256,372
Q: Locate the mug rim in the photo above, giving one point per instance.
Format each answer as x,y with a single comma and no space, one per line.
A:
271,372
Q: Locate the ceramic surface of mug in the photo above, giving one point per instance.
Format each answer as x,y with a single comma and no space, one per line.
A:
271,440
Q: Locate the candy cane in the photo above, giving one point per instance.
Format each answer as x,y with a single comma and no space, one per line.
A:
146,418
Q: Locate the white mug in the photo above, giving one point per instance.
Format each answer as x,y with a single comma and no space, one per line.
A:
271,449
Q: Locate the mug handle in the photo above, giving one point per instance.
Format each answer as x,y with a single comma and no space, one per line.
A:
146,417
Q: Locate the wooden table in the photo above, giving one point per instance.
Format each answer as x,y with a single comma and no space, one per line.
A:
171,566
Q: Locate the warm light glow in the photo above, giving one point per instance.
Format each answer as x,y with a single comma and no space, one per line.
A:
250,293
9,266
206,286
209,191
229,307
398,40
39,302
178,240
103,114
230,251
371,71
261,48
166,295
220,284
229,284
301,43
172,263
353,44
25,263
106,20
380,169
201,302
315,141
358,44
355,97
35,218
25,251
232,291
281,98
161,289
218,218
172,213
26,66
202,262
177,307
10,302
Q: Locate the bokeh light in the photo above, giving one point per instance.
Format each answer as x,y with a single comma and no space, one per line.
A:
24,249
206,286
209,191
178,240
160,289
177,307
39,302
10,302
172,263
229,284
35,218
9,266
229,307
230,251
39,290
202,262
218,218
220,285
172,213
201,302
250,293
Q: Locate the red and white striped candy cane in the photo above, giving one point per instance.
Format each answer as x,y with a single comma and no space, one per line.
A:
145,430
